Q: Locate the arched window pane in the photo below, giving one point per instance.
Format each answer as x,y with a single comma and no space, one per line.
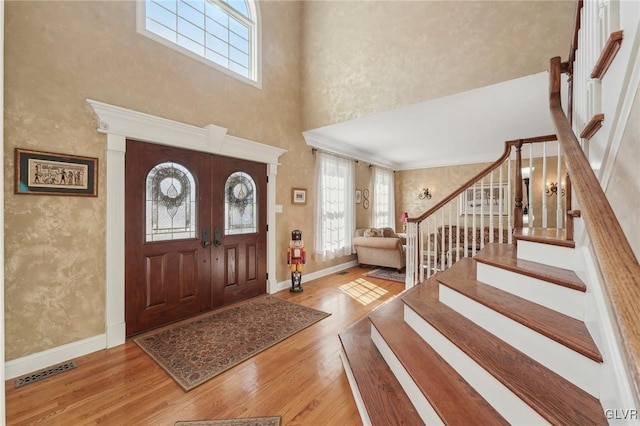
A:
240,208
171,203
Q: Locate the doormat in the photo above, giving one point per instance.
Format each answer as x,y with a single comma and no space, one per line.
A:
253,421
196,351
387,274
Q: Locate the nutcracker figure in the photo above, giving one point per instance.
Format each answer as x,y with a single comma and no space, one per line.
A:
296,257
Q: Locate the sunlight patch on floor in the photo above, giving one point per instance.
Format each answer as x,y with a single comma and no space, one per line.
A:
363,291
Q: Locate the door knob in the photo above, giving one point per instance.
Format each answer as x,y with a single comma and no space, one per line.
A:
217,240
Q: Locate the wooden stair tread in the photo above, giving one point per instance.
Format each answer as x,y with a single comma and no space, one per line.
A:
504,256
565,330
552,236
383,396
453,399
554,398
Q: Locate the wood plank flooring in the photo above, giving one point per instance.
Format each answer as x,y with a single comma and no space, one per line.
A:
301,379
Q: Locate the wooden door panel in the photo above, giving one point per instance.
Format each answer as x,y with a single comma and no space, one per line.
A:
240,262
165,280
154,283
251,256
188,275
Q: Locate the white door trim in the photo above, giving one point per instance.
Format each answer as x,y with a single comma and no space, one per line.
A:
119,124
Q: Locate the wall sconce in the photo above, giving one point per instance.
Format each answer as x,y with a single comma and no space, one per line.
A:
425,193
553,189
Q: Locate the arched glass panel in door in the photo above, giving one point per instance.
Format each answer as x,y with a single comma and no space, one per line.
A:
240,208
170,203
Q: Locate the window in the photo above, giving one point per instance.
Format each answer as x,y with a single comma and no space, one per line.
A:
170,203
221,33
383,210
240,205
335,206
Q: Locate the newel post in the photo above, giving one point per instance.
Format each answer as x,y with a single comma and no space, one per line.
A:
517,210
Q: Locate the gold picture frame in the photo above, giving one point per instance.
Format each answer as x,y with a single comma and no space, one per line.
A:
298,196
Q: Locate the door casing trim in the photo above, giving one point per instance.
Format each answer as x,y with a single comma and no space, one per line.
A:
119,124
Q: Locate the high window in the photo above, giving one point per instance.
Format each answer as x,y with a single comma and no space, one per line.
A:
383,209
221,33
335,206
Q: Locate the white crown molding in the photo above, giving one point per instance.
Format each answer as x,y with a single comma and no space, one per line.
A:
211,138
327,144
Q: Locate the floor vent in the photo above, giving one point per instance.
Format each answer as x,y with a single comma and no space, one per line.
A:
34,377
342,273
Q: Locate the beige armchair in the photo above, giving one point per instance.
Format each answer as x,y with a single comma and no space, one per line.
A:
380,247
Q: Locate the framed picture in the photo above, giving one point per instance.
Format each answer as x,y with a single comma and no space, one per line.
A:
298,196
358,196
486,199
366,193
365,203
55,174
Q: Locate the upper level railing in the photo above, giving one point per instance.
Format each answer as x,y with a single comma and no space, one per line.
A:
487,207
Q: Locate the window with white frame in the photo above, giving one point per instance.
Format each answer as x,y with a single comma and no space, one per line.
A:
383,207
335,206
221,33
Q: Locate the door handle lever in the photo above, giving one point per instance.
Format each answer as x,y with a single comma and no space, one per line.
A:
206,237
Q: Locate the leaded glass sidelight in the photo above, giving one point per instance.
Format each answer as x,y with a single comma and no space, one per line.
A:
240,204
170,203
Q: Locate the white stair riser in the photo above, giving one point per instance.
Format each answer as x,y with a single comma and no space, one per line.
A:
364,416
575,367
560,257
512,408
561,299
424,408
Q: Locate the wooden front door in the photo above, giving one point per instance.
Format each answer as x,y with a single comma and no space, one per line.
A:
195,233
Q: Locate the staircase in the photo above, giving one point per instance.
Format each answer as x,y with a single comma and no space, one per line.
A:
495,339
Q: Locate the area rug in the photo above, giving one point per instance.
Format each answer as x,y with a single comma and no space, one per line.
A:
387,274
197,351
254,421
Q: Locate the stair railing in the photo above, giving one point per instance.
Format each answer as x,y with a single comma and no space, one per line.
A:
488,207
613,254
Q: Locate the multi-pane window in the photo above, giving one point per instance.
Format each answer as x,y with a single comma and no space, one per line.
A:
335,211
221,32
383,211
170,203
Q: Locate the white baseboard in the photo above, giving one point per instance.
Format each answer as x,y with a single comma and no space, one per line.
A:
283,285
38,361
115,336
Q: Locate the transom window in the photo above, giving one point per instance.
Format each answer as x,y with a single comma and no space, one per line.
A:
222,33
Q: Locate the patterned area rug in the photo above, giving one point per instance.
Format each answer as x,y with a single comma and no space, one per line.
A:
194,352
387,274
254,421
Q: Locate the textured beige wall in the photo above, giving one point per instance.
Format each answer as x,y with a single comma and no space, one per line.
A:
57,55
623,190
362,57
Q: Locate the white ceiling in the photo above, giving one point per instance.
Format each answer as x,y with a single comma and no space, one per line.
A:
468,127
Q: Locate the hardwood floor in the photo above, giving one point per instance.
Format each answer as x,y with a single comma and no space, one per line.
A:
301,379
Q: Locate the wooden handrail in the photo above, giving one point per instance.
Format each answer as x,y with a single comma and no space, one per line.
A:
613,254
483,173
